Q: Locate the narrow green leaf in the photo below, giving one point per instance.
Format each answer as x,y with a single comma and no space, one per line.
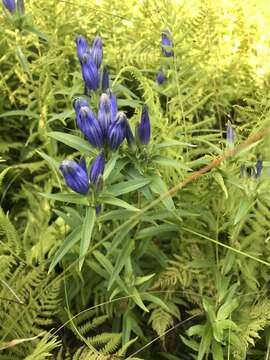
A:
121,260
26,113
127,186
196,330
164,161
226,309
33,30
142,279
243,209
154,299
137,299
69,242
118,238
172,143
107,199
220,181
159,187
73,141
55,164
68,198
191,343
217,351
157,230
109,269
110,165
205,342
22,60
209,309
87,229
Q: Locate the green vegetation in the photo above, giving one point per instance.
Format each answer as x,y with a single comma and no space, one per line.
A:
178,276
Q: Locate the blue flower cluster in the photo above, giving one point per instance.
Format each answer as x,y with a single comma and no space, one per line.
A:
11,6
76,174
167,51
105,130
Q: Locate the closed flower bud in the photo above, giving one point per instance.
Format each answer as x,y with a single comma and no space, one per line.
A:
96,51
20,7
114,106
75,175
144,128
10,5
230,134
89,125
117,131
78,102
166,44
160,77
105,79
258,169
130,137
105,113
98,209
83,50
90,73
97,168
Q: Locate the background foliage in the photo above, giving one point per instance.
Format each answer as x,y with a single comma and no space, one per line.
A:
176,276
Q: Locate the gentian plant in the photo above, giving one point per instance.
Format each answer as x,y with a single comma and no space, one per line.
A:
105,129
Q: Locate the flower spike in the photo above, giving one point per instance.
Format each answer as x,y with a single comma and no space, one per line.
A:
144,128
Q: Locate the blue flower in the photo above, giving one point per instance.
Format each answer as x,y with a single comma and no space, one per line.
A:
258,169
97,168
96,51
230,134
117,131
10,5
75,175
166,43
144,128
90,73
160,77
105,116
82,48
114,106
88,124
105,79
